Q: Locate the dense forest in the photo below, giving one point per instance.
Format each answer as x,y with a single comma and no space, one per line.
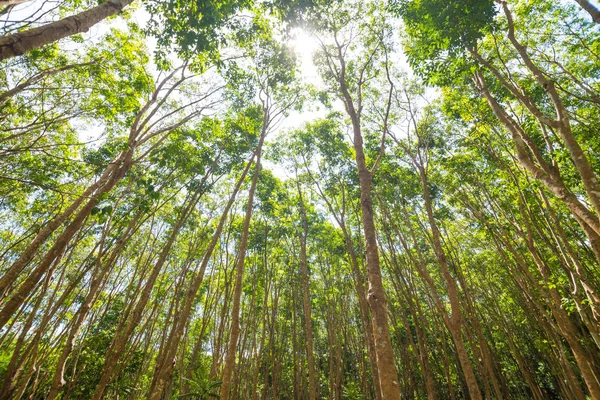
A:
300,199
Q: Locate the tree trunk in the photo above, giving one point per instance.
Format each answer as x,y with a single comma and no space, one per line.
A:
58,381
552,180
359,285
388,378
455,319
21,42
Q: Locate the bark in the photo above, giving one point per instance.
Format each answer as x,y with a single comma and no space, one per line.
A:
331,339
116,170
254,392
562,122
211,307
21,42
78,320
420,323
562,326
112,175
17,359
578,269
566,326
296,359
525,369
359,283
388,378
12,272
223,317
455,320
30,355
487,356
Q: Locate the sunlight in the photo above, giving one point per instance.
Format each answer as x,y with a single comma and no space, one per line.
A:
305,45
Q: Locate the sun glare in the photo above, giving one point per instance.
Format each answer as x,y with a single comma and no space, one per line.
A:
305,45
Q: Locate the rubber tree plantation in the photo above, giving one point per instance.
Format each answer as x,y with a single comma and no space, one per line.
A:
299,199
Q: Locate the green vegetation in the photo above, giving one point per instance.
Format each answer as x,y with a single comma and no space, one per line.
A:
300,199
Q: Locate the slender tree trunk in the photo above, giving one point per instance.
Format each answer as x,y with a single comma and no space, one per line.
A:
359,285
79,318
419,323
455,320
566,326
562,122
547,175
261,347
563,325
12,272
388,377
17,359
296,360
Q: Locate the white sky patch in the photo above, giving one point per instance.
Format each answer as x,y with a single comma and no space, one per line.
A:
305,46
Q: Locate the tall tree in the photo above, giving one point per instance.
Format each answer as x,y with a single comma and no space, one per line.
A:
349,81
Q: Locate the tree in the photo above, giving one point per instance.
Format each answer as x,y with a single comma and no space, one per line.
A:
349,82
